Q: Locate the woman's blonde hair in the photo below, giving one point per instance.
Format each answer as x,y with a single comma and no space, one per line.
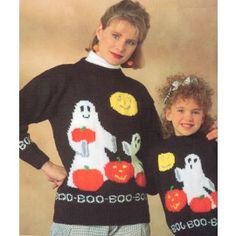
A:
135,14
185,87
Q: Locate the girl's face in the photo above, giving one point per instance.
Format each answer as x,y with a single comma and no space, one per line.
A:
186,116
117,42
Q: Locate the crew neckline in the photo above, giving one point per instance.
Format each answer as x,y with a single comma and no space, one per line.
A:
95,59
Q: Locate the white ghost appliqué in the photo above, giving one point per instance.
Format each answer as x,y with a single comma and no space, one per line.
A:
195,183
88,139
131,149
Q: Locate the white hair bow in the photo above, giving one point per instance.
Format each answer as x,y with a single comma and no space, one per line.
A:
175,85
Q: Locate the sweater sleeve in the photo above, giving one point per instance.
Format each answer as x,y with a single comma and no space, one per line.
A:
152,173
151,124
37,103
152,136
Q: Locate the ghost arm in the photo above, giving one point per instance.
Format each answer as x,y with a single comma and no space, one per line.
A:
126,148
179,174
80,147
208,184
109,141
83,148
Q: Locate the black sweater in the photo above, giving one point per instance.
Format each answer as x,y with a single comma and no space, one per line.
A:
184,173
103,123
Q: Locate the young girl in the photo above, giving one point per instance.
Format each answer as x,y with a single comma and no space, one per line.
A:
103,124
184,168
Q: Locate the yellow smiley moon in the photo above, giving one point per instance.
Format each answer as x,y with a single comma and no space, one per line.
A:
124,103
166,161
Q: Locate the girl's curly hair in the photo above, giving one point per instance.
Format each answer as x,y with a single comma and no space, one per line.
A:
196,88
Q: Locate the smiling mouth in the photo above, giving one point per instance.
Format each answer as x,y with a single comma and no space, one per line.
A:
187,125
121,177
125,108
117,56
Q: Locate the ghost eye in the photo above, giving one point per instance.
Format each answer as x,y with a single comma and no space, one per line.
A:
88,108
82,108
195,160
189,160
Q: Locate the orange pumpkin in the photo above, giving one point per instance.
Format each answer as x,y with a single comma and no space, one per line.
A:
214,197
200,204
141,179
88,179
119,171
83,133
175,200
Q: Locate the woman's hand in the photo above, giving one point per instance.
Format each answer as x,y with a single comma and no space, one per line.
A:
212,134
55,174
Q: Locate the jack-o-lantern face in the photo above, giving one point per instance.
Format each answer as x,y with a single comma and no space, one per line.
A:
124,103
119,171
175,200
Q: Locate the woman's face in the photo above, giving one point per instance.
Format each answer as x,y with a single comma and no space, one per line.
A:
117,42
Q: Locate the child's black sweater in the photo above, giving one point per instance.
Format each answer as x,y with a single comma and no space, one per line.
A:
184,173
103,123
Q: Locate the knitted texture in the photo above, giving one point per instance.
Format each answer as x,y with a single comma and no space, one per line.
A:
103,124
184,173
